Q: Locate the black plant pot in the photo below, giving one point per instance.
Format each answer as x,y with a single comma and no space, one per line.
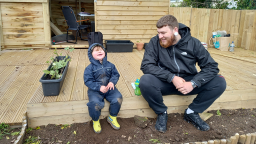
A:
52,87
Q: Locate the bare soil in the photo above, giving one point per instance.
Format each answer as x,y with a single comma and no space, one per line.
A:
240,121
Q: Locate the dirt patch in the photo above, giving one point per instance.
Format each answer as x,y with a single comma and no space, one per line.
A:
240,121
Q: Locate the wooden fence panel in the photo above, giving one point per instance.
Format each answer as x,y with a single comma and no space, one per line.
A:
253,36
200,23
240,24
129,20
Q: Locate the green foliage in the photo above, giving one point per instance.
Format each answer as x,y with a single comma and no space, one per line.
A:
32,140
245,4
4,130
218,113
58,66
154,140
215,4
15,133
65,126
29,129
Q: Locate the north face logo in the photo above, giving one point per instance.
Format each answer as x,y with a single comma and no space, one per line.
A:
184,53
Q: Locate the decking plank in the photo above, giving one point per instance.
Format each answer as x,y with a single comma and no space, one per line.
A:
8,77
70,77
5,54
77,93
14,88
2,68
21,95
121,85
129,74
85,88
10,58
34,87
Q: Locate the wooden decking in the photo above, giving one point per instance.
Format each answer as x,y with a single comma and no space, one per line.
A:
21,91
80,44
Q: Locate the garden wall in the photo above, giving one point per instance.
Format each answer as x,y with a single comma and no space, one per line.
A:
241,24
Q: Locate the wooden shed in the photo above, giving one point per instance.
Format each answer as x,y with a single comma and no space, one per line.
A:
28,23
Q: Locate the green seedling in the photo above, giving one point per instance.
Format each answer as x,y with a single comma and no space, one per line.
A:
218,113
29,129
154,140
65,126
37,128
15,133
32,140
4,130
58,66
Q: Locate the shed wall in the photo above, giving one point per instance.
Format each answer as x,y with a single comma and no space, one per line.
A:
25,25
129,19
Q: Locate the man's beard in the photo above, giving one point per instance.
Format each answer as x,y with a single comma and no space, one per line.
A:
170,42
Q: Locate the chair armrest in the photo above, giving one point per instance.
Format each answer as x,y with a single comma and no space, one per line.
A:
82,20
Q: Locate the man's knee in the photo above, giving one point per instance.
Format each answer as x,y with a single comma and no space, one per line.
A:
221,83
146,81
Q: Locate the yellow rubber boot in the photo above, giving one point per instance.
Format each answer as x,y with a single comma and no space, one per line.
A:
96,126
113,122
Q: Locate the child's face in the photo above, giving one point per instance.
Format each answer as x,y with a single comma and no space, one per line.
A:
98,53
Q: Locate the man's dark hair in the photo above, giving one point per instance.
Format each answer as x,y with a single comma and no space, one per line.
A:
167,20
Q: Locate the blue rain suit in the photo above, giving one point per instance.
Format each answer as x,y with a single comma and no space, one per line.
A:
97,75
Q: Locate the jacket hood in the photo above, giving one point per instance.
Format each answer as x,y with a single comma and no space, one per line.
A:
92,60
184,32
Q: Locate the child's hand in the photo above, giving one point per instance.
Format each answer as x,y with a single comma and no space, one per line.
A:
103,89
110,86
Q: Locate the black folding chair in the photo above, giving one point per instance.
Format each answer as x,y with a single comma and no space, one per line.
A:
73,24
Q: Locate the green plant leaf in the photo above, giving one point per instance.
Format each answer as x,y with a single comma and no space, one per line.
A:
15,133
37,128
46,71
218,113
154,140
52,72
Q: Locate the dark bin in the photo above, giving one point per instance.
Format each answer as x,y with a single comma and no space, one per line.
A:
119,45
52,87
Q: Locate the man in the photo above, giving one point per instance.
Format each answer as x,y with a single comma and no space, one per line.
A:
169,68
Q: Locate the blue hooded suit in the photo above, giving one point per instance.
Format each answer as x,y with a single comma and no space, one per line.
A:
97,75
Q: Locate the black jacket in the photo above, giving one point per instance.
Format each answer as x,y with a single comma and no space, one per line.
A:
179,59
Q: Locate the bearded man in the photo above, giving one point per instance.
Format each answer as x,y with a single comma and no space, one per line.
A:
169,67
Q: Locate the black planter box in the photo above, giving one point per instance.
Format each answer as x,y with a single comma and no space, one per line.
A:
119,45
52,87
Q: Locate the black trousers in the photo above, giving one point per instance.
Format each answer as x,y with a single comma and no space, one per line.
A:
154,89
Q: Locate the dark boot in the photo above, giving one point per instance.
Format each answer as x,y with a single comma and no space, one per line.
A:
161,122
195,119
